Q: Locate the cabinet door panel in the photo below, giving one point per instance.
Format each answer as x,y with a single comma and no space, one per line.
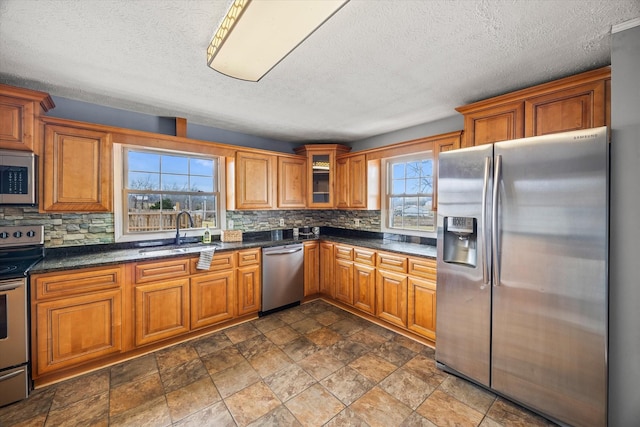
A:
212,298
327,285
77,170
357,181
391,297
344,281
249,287
161,310
311,268
79,329
495,124
16,123
292,182
254,180
422,307
342,179
364,288
577,108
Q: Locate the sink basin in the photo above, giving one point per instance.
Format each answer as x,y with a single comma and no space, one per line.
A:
162,251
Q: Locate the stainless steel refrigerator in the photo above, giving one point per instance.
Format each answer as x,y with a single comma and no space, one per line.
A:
522,271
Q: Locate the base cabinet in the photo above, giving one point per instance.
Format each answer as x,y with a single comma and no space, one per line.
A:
364,288
311,268
391,297
327,285
249,289
212,298
78,317
161,310
422,307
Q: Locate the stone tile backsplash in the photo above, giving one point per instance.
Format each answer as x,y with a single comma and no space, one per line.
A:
76,229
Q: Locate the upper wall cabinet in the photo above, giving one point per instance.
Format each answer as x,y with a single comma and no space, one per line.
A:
321,173
19,111
577,102
77,165
292,182
357,182
254,173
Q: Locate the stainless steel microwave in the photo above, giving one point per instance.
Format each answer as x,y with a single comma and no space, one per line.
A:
18,176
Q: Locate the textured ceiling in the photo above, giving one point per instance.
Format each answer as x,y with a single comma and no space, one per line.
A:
375,67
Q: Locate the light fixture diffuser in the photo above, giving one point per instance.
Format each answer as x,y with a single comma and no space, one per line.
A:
255,35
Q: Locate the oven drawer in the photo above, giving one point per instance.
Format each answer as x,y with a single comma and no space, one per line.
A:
14,385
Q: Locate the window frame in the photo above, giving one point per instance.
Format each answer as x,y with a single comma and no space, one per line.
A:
120,194
386,187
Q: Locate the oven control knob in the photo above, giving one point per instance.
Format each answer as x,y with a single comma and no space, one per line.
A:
4,235
17,234
31,233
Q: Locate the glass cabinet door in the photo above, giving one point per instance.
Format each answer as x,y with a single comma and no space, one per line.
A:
320,178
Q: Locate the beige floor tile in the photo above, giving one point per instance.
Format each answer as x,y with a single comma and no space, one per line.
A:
181,375
289,382
306,325
346,418
222,359
347,384
373,367
282,335
279,417
269,323
324,337
469,394
270,361
241,333
39,402
91,411
314,406
507,413
394,353
211,343
252,403
152,413
235,378
134,369
320,364
300,348
215,415
327,318
379,409
255,346
425,369
130,395
407,388
417,420
177,355
192,398
447,411
80,388
290,316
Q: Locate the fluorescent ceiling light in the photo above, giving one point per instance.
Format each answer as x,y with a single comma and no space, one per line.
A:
256,35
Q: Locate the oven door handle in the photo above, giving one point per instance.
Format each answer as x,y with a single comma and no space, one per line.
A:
11,375
10,287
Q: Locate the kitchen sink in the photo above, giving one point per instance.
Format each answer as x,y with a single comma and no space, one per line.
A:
171,250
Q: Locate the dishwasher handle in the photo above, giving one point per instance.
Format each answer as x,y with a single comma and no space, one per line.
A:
290,251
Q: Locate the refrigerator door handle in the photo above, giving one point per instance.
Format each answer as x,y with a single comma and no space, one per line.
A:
494,221
483,230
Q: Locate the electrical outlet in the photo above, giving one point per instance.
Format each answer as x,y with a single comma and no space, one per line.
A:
357,221
281,222
230,224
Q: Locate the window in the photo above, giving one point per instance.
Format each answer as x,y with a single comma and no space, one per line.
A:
409,193
158,185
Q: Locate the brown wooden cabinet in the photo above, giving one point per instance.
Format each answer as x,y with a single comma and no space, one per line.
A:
352,179
343,273
321,164
249,283
327,258
254,180
19,113
422,297
161,310
577,102
77,317
292,182
391,297
77,169
446,143
311,268
212,298
364,287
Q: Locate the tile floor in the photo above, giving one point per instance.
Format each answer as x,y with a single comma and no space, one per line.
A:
312,365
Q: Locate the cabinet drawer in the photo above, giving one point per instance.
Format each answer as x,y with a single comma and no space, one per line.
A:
392,262
249,257
423,267
220,261
159,270
55,285
364,256
343,252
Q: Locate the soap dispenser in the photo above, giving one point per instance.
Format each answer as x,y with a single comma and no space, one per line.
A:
206,236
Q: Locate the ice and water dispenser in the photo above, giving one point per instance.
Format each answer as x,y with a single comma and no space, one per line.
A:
460,240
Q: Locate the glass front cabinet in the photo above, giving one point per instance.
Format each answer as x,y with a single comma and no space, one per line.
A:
321,178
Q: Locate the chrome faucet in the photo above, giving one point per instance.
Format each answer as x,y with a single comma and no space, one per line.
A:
178,225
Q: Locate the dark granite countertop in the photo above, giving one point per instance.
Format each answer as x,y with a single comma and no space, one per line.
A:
57,259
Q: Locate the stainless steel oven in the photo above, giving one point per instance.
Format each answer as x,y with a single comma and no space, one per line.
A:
18,173
20,248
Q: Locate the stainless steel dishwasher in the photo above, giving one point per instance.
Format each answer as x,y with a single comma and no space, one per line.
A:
282,277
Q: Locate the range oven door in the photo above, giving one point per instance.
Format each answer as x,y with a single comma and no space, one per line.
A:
14,348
